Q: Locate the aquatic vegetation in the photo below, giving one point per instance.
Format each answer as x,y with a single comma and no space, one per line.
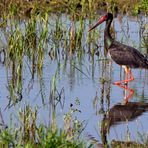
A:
30,134
36,33
73,7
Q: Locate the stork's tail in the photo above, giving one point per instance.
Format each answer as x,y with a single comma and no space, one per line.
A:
146,62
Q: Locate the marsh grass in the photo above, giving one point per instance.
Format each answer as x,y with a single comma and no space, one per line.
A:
69,43
73,7
27,133
32,43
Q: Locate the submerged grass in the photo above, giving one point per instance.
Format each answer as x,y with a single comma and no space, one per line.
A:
31,42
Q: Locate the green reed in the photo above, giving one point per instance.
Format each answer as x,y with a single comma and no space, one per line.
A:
21,44
32,43
42,41
57,36
27,133
15,52
73,7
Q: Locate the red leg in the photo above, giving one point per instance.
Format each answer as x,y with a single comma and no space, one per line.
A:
131,92
131,76
127,73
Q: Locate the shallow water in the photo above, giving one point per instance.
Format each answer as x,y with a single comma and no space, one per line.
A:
81,78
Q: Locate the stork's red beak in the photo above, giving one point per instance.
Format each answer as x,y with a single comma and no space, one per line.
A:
100,21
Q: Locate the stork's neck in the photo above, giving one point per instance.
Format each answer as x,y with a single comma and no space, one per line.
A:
107,37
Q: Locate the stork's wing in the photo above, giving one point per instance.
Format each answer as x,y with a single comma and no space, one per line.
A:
126,55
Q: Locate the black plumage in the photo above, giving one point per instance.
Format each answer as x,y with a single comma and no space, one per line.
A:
124,55
127,56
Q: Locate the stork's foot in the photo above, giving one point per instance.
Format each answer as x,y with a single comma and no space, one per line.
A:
128,78
117,83
120,83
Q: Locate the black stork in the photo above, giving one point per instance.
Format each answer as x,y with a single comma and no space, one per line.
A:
126,56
